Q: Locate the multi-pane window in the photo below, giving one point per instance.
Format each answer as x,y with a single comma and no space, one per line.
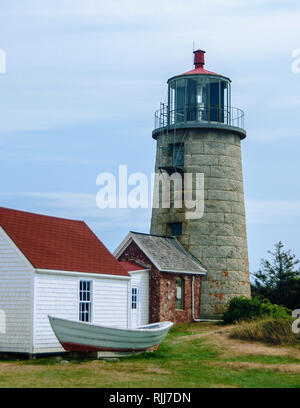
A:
134,294
85,301
179,294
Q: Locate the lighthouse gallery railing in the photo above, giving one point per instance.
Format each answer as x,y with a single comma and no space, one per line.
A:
211,114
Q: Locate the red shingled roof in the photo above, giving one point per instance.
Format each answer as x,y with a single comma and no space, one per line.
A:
132,266
58,243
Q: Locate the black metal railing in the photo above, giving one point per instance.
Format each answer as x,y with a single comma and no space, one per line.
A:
227,115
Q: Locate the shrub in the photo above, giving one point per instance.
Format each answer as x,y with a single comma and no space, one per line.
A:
242,308
276,331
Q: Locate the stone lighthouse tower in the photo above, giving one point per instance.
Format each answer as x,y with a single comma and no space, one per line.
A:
198,131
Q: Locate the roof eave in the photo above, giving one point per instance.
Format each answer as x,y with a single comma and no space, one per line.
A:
203,273
83,274
191,74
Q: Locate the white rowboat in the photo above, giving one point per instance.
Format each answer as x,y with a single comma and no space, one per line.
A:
83,336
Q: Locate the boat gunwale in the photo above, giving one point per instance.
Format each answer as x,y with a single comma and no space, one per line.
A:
140,329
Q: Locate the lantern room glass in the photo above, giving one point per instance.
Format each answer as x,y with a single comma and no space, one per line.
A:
199,98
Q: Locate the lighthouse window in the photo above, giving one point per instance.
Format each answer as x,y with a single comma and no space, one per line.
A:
176,229
178,154
180,100
214,102
172,97
225,112
179,294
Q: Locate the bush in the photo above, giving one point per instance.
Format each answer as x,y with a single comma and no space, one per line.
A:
242,308
276,331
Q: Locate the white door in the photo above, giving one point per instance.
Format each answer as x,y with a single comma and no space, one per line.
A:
134,306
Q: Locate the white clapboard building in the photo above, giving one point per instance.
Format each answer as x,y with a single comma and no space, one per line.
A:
55,266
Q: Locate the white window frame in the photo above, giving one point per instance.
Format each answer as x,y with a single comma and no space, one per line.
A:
85,300
136,295
180,293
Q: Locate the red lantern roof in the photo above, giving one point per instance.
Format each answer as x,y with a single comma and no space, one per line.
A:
199,62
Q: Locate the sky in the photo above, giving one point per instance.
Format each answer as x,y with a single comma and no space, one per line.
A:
84,77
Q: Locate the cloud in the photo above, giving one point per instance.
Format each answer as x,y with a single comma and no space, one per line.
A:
44,158
285,102
78,62
83,206
267,134
80,206
273,212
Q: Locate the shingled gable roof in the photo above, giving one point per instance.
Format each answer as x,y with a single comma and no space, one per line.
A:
58,243
166,253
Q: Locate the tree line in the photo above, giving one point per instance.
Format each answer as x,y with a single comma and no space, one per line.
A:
278,279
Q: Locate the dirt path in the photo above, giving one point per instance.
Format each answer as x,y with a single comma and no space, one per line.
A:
220,331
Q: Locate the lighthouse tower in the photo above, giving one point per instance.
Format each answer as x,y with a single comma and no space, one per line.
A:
198,131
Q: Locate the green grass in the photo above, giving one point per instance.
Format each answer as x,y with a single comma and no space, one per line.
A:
181,361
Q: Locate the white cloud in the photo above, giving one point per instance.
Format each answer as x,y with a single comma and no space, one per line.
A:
77,62
285,102
273,212
43,158
76,203
82,206
275,134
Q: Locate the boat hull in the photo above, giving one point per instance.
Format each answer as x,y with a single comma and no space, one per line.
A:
88,349
86,337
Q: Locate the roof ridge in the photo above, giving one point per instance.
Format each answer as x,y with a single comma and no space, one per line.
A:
40,215
152,235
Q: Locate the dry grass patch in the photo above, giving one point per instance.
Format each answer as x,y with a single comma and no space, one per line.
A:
96,373
242,365
222,386
267,330
229,346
